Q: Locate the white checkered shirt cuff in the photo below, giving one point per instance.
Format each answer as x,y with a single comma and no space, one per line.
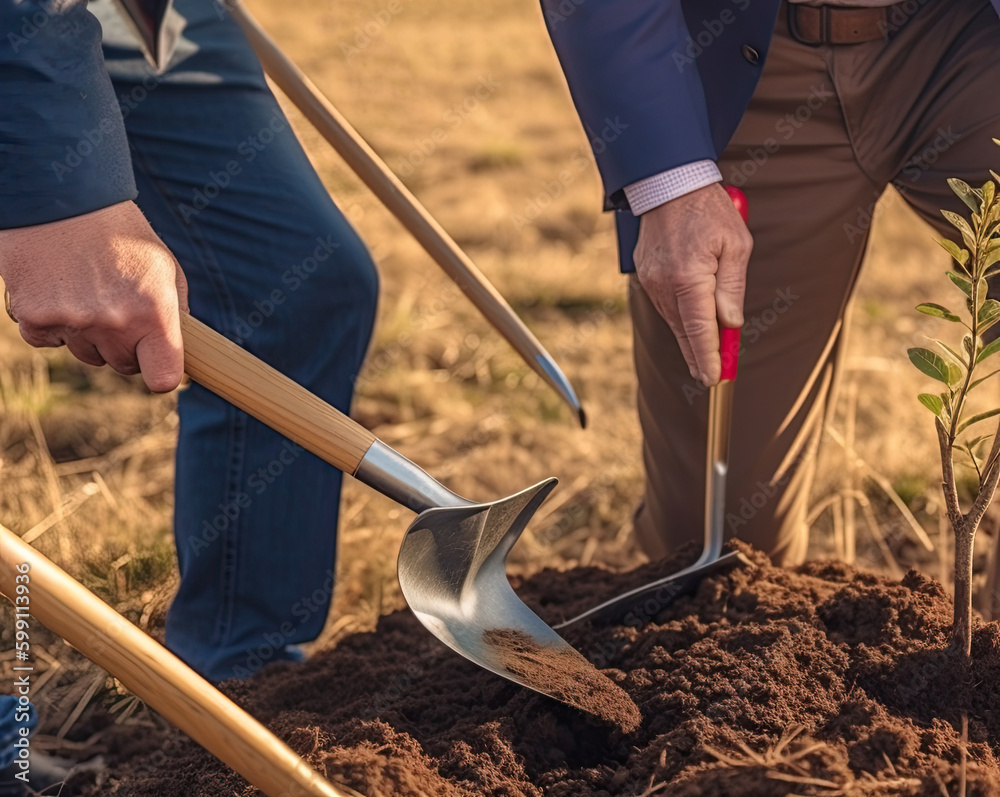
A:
654,191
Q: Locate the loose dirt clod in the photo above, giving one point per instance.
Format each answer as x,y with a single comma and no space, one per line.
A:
569,676
820,680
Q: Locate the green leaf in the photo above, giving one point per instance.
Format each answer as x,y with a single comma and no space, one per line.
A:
990,349
960,255
962,226
989,314
932,402
964,192
988,193
979,381
962,282
991,218
976,441
977,418
931,364
958,358
936,310
991,257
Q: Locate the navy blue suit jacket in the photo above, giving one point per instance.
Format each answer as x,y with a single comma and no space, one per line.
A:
63,150
671,75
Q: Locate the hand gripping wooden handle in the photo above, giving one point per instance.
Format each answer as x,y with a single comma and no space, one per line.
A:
243,380
155,675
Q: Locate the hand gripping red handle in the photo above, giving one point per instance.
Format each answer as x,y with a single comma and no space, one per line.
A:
729,338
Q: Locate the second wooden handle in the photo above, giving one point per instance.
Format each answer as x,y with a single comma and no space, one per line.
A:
255,387
156,675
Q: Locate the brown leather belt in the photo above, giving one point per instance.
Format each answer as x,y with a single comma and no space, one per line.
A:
816,25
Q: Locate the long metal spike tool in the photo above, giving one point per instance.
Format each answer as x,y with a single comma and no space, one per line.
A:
452,562
647,600
379,178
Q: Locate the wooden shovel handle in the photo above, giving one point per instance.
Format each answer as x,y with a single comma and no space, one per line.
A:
233,373
155,675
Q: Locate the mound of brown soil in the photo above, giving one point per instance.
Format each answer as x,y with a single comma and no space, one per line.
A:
822,680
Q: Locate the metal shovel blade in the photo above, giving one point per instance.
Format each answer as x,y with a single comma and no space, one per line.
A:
453,557
452,570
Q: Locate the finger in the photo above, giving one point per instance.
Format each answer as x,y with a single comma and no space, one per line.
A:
182,289
731,279
697,310
161,357
666,306
85,351
41,337
650,269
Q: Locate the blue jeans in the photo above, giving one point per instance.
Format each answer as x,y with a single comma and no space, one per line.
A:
12,719
273,264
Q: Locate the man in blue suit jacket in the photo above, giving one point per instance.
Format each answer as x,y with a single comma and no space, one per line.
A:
127,192
812,109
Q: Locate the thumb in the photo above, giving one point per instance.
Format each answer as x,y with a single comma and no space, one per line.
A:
731,278
182,289
161,357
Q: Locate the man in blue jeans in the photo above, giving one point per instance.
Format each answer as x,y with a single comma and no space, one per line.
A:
127,193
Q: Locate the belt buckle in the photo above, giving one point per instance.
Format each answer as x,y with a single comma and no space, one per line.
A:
824,25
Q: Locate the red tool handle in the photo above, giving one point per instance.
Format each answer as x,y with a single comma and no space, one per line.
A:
740,201
729,348
729,338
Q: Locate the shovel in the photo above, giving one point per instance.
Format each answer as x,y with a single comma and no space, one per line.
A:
452,562
645,602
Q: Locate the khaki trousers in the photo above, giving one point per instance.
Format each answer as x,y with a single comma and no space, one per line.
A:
827,130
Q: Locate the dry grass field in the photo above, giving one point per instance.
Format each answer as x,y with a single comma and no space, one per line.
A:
86,456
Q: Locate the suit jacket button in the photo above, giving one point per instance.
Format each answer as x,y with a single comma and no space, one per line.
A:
750,54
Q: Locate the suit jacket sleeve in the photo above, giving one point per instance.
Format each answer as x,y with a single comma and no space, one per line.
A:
63,150
640,98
